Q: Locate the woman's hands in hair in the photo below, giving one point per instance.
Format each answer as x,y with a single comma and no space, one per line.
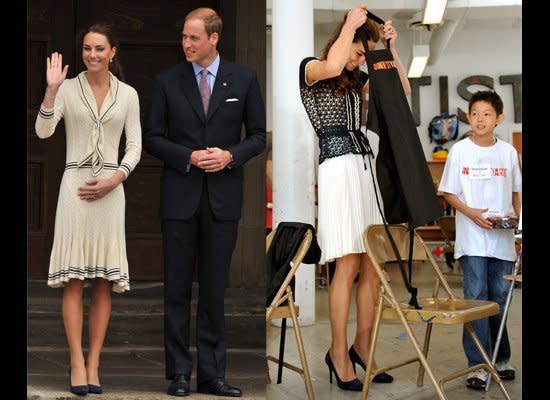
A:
387,31
55,75
357,16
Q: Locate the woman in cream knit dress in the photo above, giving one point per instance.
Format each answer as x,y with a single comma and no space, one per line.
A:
89,239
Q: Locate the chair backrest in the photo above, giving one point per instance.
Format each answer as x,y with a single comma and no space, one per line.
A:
295,263
448,227
380,251
383,250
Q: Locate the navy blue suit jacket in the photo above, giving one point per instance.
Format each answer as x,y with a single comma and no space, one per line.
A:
176,126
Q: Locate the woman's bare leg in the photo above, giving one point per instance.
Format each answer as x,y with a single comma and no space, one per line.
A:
339,301
367,296
72,311
98,320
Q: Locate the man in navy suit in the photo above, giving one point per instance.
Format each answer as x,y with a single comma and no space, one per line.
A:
193,125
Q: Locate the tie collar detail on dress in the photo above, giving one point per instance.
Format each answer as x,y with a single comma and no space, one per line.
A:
94,149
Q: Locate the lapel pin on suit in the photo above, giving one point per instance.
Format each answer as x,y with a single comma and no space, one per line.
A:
224,84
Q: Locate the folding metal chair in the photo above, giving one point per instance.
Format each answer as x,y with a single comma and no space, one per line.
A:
435,310
283,306
516,276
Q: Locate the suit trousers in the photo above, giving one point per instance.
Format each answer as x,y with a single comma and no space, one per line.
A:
209,243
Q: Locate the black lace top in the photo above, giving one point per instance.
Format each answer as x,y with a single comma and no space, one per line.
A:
336,119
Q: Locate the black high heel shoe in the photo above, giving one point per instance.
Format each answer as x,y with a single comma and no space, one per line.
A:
355,384
382,377
95,389
80,390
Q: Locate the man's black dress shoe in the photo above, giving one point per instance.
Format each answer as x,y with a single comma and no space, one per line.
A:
179,386
219,387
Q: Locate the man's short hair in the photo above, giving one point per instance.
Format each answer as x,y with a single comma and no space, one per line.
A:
489,96
212,21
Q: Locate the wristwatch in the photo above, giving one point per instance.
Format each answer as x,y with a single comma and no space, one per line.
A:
230,164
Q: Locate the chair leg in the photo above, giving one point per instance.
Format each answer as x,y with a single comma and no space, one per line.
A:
420,380
501,329
491,368
373,340
410,333
298,334
267,377
281,352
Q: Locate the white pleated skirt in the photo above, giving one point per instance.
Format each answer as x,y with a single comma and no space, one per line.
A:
346,205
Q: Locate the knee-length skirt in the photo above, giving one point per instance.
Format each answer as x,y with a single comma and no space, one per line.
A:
346,205
89,238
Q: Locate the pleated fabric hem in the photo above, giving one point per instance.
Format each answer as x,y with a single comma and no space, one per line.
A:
332,258
119,282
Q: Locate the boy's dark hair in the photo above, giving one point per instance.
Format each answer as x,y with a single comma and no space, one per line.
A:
489,96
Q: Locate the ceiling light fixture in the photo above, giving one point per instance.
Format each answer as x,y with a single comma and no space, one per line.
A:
433,13
420,55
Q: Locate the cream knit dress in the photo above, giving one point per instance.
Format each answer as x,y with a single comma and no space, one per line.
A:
89,238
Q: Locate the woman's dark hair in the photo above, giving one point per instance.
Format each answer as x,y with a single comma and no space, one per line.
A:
106,30
349,81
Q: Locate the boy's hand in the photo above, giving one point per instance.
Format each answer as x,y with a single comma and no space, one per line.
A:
476,215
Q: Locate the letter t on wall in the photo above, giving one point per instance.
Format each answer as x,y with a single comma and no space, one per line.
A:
415,95
515,81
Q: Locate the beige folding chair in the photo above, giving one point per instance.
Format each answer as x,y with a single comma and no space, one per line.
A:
283,306
448,230
435,310
514,277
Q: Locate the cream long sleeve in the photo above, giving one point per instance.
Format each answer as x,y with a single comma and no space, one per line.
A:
132,129
48,118
93,136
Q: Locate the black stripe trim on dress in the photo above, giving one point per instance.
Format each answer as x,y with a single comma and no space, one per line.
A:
126,167
88,104
84,95
114,101
46,114
89,271
79,270
98,120
72,165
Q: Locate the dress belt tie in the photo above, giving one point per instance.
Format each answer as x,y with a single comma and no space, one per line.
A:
361,144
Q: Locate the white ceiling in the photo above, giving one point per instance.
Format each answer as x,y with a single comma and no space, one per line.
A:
501,13
459,14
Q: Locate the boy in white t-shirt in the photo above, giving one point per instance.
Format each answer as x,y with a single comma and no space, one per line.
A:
482,179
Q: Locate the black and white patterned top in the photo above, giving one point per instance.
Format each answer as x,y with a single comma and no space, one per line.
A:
336,119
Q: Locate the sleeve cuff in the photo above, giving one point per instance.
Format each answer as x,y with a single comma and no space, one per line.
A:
46,113
443,189
232,162
305,75
125,168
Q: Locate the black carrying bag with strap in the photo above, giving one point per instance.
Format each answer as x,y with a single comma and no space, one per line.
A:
404,179
283,248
